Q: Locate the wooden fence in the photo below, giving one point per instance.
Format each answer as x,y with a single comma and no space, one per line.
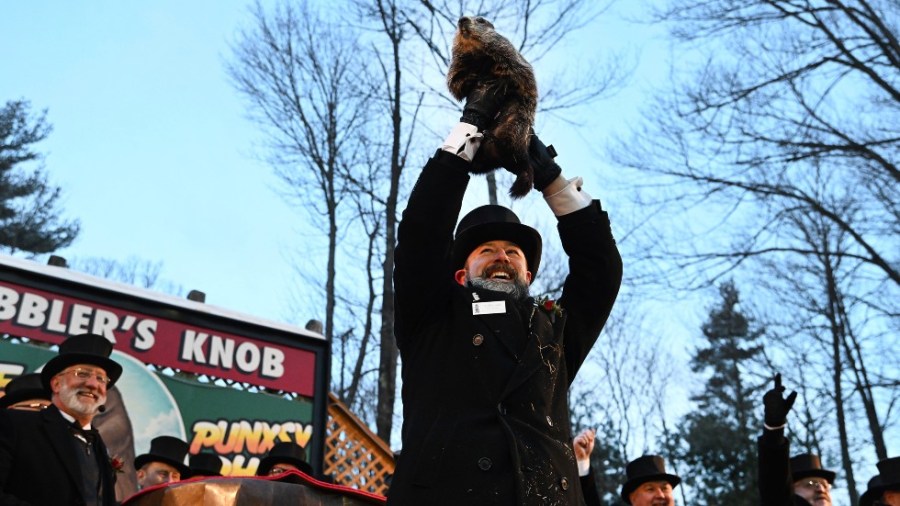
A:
354,455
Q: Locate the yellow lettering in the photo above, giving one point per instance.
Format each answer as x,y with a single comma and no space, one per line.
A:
237,466
222,446
206,434
269,435
303,437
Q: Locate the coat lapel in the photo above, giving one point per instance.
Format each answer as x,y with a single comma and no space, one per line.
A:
543,349
60,438
498,323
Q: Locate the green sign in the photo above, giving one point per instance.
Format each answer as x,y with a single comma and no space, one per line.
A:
237,425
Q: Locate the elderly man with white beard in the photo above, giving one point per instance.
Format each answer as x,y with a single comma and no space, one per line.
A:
54,456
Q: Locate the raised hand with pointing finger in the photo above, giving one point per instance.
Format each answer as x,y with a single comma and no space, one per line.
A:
777,406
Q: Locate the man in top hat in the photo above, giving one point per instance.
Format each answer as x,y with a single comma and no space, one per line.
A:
872,493
164,463
25,392
812,482
284,457
486,367
884,487
800,480
648,484
54,456
205,464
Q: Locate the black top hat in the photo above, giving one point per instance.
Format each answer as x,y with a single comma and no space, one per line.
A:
873,491
491,223
889,471
82,349
287,452
644,469
168,450
22,388
205,464
806,465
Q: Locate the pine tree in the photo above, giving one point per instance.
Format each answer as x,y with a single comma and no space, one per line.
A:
29,220
718,438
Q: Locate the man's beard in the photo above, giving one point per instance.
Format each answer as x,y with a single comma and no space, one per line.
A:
517,289
70,399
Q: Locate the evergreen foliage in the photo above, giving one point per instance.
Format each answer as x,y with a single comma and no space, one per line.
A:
29,218
718,446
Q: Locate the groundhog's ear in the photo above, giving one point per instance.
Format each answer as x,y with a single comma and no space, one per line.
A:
481,21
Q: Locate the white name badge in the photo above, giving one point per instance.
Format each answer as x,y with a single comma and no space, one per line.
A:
493,307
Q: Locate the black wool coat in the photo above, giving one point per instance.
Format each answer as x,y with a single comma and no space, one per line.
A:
485,415
38,463
775,483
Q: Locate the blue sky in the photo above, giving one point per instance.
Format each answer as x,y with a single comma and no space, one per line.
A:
149,142
154,154
155,157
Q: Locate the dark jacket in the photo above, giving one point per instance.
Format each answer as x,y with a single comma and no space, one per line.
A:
589,489
776,488
38,463
485,415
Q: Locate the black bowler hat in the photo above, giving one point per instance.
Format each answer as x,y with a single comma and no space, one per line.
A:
644,469
205,464
90,349
168,450
873,491
284,452
22,388
889,470
492,223
808,465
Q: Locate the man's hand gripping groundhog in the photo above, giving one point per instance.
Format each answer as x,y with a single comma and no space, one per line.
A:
483,61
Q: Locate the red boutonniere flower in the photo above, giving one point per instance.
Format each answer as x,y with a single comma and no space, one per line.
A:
117,464
550,306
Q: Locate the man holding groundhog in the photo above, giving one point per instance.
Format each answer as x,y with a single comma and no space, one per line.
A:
486,367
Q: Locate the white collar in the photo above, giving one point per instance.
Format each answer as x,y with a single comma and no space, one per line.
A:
71,419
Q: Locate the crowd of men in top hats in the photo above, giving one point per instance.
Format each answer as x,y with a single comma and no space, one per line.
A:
51,454
486,366
800,480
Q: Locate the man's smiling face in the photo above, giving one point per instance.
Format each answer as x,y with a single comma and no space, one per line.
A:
496,265
80,390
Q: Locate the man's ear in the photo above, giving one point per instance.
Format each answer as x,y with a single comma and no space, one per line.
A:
460,277
528,277
54,384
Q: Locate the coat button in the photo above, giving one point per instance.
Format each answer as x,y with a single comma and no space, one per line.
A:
549,421
564,483
477,339
501,409
484,463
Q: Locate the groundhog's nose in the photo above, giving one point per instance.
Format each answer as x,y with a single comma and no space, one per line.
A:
463,21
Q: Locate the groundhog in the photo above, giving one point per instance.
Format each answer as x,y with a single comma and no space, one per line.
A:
483,56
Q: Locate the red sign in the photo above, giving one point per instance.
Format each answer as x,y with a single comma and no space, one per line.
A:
163,342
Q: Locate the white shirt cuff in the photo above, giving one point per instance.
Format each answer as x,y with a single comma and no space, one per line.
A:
570,199
583,467
463,141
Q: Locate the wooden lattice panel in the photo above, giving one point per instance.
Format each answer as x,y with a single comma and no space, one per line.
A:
354,455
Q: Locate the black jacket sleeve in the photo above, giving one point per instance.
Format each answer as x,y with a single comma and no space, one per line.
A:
775,485
422,272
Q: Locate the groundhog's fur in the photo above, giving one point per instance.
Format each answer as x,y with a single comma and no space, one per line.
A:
483,56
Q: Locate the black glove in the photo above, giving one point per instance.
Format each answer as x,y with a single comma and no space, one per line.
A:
776,405
545,169
482,105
